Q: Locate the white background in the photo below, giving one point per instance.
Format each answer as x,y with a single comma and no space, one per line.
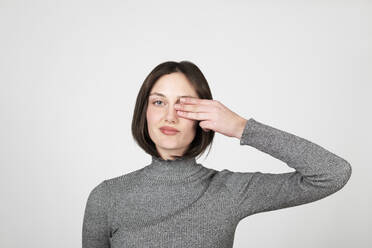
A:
70,72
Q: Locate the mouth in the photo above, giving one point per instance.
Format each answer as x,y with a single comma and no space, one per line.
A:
168,132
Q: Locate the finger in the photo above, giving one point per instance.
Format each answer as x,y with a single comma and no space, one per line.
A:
193,108
189,100
195,115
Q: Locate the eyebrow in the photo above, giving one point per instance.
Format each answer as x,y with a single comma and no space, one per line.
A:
162,95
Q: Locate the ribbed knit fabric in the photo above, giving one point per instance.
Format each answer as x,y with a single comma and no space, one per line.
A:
180,203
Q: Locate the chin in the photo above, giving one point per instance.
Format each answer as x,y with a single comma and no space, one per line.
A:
169,144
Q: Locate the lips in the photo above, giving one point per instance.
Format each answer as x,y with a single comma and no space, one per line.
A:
170,129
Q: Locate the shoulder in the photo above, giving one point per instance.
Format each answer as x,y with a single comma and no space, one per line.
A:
98,197
121,178
109,183
234,180
121,182
227,176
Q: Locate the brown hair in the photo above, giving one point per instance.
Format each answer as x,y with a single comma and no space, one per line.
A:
139,122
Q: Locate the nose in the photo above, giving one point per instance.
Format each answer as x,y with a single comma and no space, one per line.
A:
171,114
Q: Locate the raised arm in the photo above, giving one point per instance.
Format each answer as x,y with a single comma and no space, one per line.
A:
319,172
95,231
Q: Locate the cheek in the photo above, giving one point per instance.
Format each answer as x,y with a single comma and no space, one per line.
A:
152,115
191,126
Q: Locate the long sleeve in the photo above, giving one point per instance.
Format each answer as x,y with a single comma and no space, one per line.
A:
95,231
318,172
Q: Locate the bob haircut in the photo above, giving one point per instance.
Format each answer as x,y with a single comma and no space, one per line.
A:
139,122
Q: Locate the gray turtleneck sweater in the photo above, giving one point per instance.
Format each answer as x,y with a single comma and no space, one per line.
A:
180,203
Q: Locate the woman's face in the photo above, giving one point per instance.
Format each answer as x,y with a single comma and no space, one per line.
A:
165,93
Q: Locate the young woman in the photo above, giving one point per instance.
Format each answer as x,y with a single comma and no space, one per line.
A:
175,201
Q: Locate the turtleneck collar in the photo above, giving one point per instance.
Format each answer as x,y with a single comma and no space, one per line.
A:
173,170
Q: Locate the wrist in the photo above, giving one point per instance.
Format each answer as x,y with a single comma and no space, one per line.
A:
240,129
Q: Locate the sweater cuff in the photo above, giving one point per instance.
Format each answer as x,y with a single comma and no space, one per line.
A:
248,130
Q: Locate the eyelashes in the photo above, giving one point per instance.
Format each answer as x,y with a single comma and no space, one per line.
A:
155,101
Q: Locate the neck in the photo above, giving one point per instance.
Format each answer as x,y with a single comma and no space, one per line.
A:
173,170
